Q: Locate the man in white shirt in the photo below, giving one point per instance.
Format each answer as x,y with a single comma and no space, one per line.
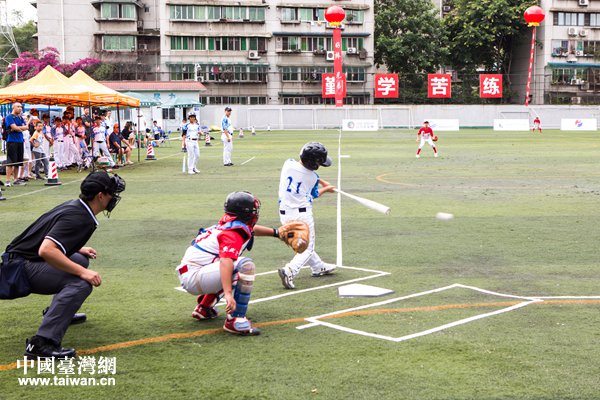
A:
193,134
227,137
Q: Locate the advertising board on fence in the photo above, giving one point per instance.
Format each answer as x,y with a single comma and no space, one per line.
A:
444,124
511,124
360,125
580,124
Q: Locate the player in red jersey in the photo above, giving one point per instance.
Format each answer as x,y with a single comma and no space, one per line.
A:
536,125
424,135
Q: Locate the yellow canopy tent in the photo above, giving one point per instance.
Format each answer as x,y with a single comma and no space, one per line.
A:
48,87
107,96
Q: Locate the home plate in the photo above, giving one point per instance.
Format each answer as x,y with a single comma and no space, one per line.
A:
360,290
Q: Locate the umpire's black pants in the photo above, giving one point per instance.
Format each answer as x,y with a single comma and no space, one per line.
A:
69,292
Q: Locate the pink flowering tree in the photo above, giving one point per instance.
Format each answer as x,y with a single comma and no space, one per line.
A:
30,64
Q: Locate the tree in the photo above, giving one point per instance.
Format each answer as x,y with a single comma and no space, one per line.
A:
484,32
409,37
23,34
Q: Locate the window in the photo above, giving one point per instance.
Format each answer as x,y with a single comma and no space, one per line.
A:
571,19
594,19
123,43
257,13
306,14
357,43
560,48
289,14
182,72
355,16
168,113
290,43
232,73
233,100
566,76
354,74
117,11
181,42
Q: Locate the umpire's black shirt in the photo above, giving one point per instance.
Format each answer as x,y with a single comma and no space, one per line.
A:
69,225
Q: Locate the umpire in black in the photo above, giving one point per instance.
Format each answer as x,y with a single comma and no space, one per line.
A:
52,254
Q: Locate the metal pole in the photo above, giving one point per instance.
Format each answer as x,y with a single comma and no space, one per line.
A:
532,52
137,136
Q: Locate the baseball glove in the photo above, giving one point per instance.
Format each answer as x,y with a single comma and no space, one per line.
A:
295,234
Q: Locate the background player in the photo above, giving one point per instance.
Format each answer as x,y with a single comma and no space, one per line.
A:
536,125
227,137
192,130
298,187
212,265
424,135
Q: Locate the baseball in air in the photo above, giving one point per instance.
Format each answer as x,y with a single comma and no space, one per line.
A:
442,216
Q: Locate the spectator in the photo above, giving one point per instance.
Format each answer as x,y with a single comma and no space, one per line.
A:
88,122
14,144
37,141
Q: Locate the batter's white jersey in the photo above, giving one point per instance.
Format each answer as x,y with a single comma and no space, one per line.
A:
298,185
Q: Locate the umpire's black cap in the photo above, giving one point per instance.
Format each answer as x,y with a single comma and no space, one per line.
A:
101,181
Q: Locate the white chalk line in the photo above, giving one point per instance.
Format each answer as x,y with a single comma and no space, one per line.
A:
315,321
376,274
247,161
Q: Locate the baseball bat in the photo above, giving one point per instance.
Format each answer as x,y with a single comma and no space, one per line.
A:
373,205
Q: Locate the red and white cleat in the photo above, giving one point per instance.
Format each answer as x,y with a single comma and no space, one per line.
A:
202,313
240,326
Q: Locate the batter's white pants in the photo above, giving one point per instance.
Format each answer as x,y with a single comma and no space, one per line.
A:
227,150
203,279
101,148
193,153
309,256
428,141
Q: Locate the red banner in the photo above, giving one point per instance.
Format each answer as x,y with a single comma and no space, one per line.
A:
386,86
490,86
328,86
340,81
439,86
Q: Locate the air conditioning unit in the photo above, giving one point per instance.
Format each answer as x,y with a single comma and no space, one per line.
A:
253,55
142,46
329,56
584,3
446,9
583,32
572,31
579,53
575,100
575,81
585,85
352,50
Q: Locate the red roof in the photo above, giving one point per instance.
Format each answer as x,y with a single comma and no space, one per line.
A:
155,85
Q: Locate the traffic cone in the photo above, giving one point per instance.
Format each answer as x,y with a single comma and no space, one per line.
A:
150,154
53,174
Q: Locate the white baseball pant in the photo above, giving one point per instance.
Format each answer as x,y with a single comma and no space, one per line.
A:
309,256
193,154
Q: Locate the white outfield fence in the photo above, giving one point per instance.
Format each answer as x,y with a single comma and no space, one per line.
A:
394,116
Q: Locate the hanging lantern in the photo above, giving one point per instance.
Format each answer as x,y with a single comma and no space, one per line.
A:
335,15
534,15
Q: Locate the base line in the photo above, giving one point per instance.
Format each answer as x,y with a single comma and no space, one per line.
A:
247,161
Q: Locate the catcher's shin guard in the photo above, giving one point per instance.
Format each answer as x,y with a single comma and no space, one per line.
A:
245,272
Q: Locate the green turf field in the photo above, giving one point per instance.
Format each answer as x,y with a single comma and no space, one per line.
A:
526,223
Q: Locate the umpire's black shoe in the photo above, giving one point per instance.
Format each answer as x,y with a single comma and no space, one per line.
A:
78,318
38,346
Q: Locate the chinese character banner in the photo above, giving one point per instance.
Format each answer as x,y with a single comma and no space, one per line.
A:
386,86
490,86
439,86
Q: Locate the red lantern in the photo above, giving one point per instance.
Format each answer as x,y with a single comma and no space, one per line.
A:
335,15
534,15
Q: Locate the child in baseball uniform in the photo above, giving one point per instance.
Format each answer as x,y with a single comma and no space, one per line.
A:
537,125
227,137
298,187
213,265
425,135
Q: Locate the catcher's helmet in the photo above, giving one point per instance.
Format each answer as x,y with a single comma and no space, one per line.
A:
244,206
313,155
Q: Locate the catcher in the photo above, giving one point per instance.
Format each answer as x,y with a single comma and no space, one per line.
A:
213,267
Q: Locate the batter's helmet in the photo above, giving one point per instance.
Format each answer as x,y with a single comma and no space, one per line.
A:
313,155
244,206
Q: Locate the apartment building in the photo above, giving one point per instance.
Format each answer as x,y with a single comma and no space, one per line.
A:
250,52
567,54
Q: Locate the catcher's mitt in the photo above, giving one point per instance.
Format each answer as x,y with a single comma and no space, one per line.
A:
435,139
295,234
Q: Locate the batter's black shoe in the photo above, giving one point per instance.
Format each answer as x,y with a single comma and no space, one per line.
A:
78,318
39,346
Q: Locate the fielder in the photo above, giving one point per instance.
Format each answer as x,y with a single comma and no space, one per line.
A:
212,265
425,135
192,130
298,187
227,137
536,125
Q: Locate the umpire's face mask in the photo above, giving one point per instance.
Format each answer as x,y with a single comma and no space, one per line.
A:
118,185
